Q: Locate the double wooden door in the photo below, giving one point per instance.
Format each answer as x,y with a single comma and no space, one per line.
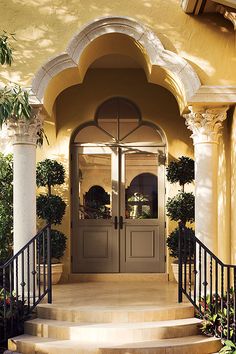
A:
118,209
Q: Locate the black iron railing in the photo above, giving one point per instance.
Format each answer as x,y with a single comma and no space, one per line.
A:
208,283
25,279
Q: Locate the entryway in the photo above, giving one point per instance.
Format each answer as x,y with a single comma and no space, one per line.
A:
118,192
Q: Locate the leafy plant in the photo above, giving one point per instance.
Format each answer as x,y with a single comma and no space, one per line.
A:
50,207
6,49
181,171
216,318
58,246
181,207
14,103
14,314
6,207
173,242
229,348
49,173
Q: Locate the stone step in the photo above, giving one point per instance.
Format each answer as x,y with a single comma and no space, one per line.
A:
118,277
105,314
113,333
37,345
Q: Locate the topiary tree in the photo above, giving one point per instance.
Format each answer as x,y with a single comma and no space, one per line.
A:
173,243
50,207
6,207
181,207
49,173
181,171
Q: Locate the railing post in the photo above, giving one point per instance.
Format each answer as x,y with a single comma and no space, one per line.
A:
180,260
49,265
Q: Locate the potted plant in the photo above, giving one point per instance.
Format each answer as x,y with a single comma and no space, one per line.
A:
51,208
181,207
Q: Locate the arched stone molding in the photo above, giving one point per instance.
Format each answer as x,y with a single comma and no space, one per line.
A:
115,35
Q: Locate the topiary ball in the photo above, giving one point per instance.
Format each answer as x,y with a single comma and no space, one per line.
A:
49,173
50,208
181,171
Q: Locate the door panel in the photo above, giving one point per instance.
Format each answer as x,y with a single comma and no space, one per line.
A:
124,185
96,245
142,190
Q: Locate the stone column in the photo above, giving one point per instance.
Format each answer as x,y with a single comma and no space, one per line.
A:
23,134
206,123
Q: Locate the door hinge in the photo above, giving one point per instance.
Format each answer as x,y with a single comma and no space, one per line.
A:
71,190
165,224
71,157
165,190
71,259
165,259
71,224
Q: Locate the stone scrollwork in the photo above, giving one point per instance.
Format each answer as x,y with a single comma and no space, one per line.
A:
206,123
24,131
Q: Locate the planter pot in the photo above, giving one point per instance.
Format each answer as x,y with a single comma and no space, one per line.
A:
57,269
175,269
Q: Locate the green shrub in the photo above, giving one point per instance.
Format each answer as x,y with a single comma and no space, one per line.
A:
51,208
6,207
181,207
229,347
50,173
181,171
215,322
173,243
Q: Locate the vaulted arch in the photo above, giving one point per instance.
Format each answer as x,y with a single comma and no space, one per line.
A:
122,36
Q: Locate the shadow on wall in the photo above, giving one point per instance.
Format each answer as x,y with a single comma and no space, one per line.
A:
44,29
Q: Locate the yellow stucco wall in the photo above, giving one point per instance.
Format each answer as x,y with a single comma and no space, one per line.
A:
78,104
43,29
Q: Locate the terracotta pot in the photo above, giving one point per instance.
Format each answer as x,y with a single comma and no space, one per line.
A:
57,269
175,269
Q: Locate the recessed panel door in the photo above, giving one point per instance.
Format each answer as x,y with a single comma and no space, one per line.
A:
95,233
142,243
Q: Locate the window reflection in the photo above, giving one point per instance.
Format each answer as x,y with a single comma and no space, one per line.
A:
141,195
94,186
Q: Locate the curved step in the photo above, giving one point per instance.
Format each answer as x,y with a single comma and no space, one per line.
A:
105,314
37,345
186,345
113,333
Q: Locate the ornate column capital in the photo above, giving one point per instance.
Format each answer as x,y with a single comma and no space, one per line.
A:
205,123
24,131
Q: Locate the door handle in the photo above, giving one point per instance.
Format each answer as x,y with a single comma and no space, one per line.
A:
121,222
116,222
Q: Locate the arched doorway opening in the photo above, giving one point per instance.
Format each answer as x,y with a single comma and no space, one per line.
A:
118,192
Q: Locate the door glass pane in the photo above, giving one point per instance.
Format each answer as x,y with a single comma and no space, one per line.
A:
95,193
141,186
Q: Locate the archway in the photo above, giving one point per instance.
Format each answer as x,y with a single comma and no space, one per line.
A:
115,35
124,230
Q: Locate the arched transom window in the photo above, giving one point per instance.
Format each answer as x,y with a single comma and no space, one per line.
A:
118,121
